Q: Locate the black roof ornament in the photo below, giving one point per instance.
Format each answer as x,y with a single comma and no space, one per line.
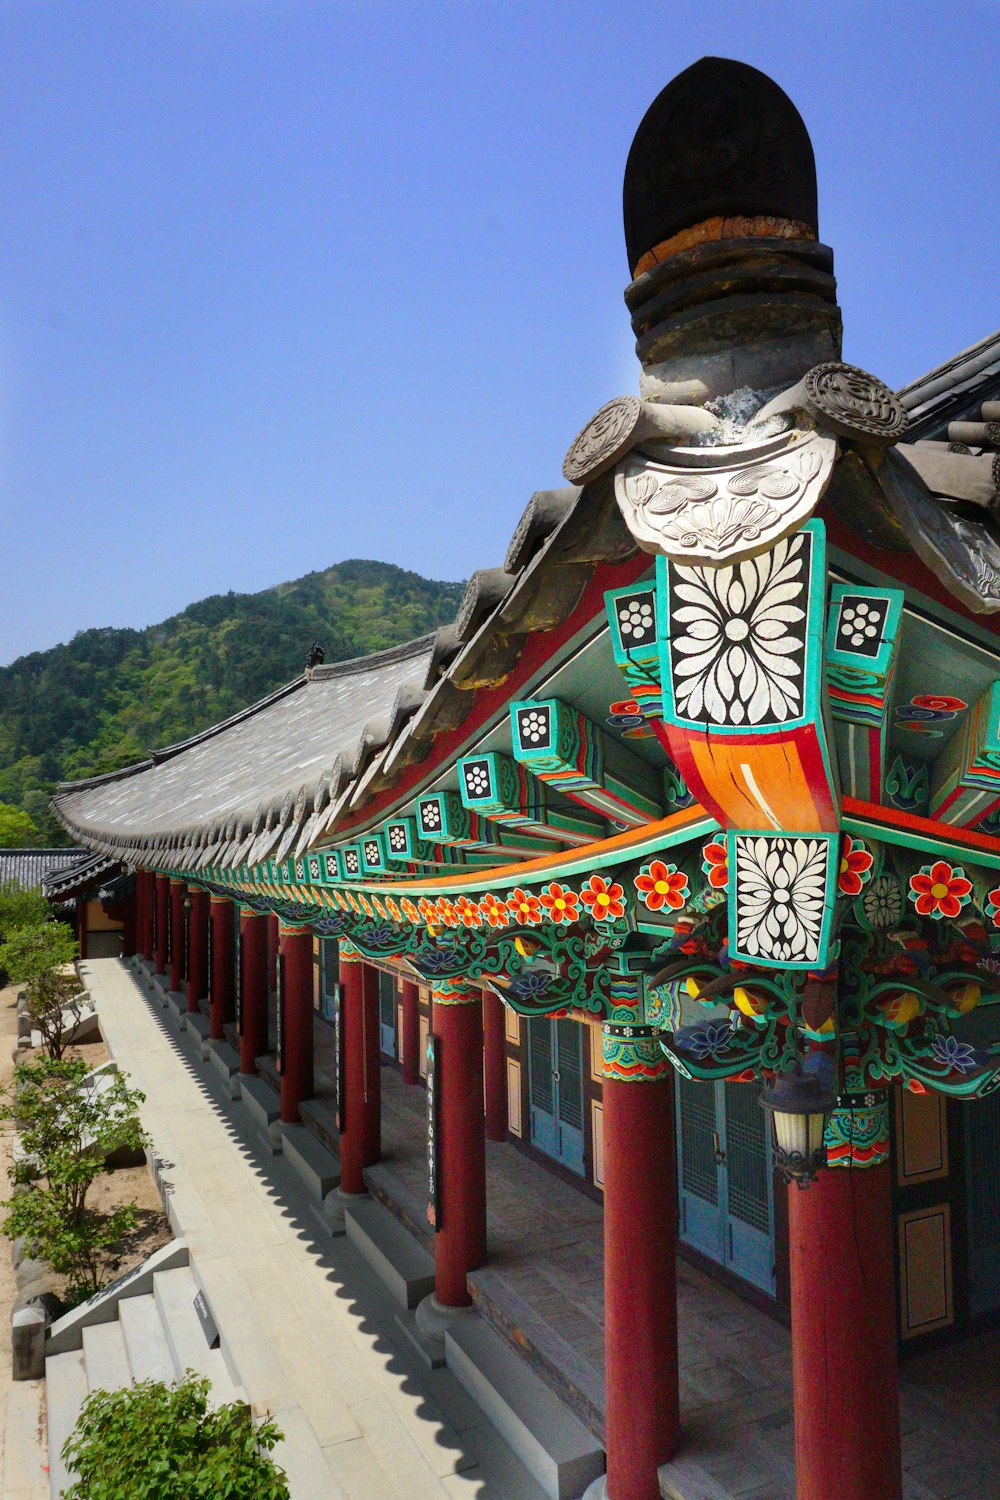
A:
316,656
722,139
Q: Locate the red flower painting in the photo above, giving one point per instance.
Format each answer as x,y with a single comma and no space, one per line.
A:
468,912
715,863
494,911
445,912
662,885
561,905
524,907
605,900
940,890
855,867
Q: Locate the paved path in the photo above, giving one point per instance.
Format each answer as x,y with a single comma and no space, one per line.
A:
309,1327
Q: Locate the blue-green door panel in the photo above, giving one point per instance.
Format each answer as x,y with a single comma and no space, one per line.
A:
555,1089
387,1013
725,1192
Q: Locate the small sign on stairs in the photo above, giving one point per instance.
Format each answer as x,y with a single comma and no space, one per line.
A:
206,1320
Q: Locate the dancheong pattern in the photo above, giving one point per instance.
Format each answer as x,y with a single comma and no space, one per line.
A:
781,896
737,647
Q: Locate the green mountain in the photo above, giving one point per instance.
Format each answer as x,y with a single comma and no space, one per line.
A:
109,697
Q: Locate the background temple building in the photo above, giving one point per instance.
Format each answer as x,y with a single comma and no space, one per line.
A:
697,799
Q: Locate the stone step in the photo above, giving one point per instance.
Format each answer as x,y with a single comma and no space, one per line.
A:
66,1391
403,1266
25,1460
548,1439
175,1005
318,1169
226,1061
175,1292
67,1332
263,1107
104,1358
146,1345
200,1028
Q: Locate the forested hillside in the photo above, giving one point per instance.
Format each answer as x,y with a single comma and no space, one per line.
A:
109,696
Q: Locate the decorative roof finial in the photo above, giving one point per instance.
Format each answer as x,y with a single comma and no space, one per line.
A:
316,656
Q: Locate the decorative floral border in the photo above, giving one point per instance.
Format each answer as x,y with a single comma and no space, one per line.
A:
601,898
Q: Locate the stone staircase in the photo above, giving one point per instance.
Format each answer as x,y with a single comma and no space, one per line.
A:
156,1335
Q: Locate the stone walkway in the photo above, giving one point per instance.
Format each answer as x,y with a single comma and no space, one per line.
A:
310,1329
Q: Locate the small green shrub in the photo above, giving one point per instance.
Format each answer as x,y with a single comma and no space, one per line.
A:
67,1130
38,957
157,1442
20,908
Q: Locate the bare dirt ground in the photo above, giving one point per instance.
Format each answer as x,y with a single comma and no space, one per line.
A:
8,1036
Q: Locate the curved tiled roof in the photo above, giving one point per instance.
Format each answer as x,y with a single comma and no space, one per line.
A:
30,868
236,771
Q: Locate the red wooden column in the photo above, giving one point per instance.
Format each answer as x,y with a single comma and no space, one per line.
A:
178,890
197,977
844,1368
148,903
140,912
410,1038
272,951
460,1238
81,924
494,1067
642,1417
162,897
295,1020
130,921
253,989
361,1120
221,976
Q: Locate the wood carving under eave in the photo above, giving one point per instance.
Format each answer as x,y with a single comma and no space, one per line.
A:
543,513
594,531
444,709
486,663
856,496
485,590
548,597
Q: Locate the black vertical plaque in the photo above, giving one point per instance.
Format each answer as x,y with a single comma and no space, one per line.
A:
433,1178
187,937
238,971
279,1030
338,1056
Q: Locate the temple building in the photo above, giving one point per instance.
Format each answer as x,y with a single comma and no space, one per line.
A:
671,868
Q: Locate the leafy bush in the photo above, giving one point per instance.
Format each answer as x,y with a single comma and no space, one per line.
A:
20,908
67,1129
38,957
157,1442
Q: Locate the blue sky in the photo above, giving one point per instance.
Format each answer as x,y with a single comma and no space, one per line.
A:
289,281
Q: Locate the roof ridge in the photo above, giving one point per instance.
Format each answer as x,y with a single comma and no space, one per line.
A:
976,356
384,658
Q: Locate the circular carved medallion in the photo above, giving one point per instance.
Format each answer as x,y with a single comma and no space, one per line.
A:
853,403
321,795
301,804
880,904
606,437
286,808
